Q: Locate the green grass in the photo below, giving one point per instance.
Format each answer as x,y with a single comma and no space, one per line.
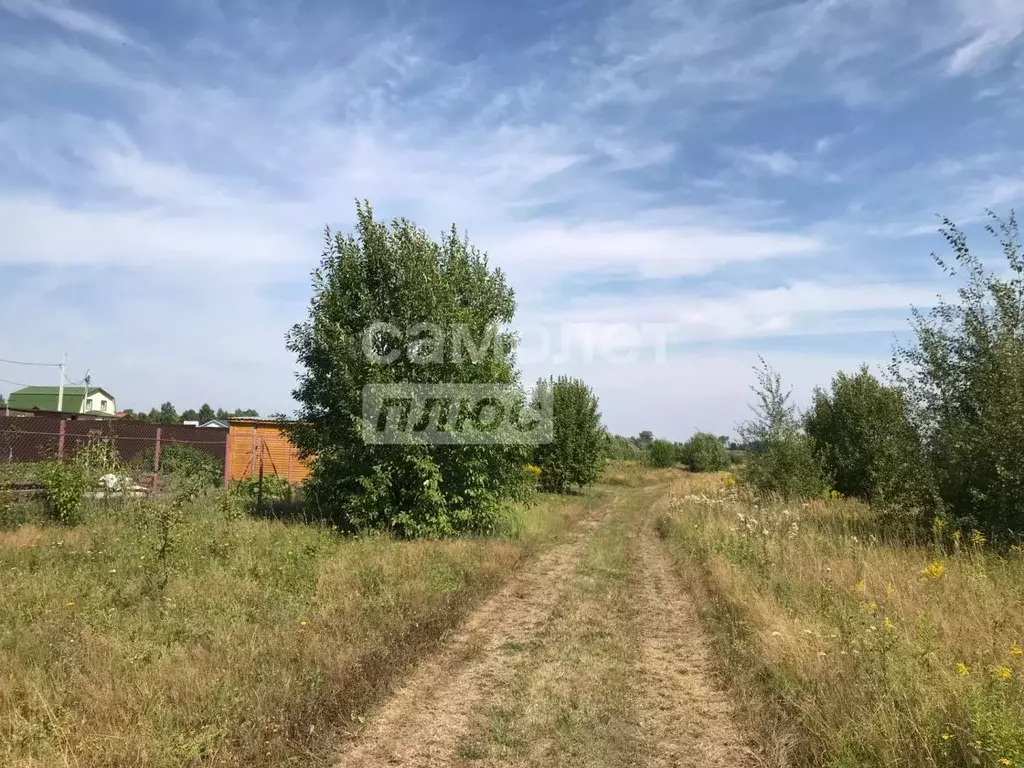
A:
848,645
227,642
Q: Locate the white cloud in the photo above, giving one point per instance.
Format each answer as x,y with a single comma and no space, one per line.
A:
70,19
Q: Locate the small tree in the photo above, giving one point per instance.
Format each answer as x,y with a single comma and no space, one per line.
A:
863,439
426,293
205,413
704,452
784,463
662,453
573,458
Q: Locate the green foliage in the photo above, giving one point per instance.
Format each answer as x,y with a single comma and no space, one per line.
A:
863,438
964,378
433,293
704,453
573,458
66,483
784,463
619,448
662,453
182,460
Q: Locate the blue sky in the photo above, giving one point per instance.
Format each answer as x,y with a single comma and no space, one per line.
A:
756,177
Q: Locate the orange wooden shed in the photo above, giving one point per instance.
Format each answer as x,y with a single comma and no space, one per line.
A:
255,442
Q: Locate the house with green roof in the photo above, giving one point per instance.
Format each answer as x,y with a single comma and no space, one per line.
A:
94,401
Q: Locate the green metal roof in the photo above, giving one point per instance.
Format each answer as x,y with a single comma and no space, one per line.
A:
45,398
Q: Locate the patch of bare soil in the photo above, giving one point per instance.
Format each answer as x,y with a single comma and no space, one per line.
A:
425,720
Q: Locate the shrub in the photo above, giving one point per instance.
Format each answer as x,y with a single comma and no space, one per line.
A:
784,463
863,439
964,378
704,453
66,483
431,294
617,447
182,460
662,454
573,457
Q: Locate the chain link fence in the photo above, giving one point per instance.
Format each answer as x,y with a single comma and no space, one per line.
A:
145,451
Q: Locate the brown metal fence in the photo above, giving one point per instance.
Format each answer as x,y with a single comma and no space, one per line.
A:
27,440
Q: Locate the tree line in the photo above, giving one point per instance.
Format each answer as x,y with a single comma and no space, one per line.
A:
168,414
939,439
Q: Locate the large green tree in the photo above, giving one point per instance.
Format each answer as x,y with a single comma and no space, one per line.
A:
392,306
574,456
964,379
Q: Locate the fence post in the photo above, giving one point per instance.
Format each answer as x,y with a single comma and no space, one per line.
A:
227,459
156,456
259,487
61,434
290,454
252,461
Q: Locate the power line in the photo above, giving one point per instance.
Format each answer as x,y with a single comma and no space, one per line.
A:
15,383
38,365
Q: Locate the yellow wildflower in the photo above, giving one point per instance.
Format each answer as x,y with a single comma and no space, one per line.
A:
934,571
887,624
533,469
977,538
303,623
946,737
870,607
1016,650
962,669
861,586
1005,761
1001,673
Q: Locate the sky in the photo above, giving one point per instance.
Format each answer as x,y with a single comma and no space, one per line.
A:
708,180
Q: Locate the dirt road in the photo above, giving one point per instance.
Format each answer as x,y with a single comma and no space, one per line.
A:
591,656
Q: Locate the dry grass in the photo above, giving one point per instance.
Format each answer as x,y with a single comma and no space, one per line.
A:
848,646
265,643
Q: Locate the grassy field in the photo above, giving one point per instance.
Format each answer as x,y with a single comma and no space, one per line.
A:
847,646
188,636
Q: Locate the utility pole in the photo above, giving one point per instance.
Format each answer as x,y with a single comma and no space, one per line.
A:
60,391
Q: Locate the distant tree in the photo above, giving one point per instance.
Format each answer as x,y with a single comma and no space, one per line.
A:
246,413
644,439
190,415
222,414
573,458
785,464
205,414
704,453
662,453
724,440
622,448
3,401
167,414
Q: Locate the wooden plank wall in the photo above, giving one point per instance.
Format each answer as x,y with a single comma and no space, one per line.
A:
249,441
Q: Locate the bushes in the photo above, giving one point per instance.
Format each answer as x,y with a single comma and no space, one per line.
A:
662,454
784,463
704,453
183,460
573,457
863,439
